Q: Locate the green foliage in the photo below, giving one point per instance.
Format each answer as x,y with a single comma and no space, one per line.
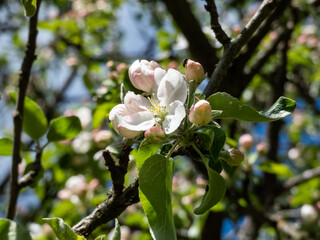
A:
278,169
63,128
100,113
143,153
5,147
35,123
30,7
155,186
9,230
232,108
215,191
62,230
117,232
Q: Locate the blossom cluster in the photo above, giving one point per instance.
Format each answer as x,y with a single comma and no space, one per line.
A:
162,107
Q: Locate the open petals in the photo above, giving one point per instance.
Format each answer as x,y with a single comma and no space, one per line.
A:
139,121
136,103
159,73
116,113
176,113
172,87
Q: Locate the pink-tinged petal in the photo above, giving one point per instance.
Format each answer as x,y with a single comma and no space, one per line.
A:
117,112
176,113
136,103
139,121
172,87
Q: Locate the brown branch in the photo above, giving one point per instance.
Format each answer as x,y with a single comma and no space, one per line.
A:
221,36
108,210
18,114
301,178
232,49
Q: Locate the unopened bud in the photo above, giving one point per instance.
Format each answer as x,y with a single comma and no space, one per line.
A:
155,134
200,113
194,71
141,74
246,141
235,157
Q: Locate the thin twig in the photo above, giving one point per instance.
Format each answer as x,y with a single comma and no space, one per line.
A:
18,114
233,48
221,36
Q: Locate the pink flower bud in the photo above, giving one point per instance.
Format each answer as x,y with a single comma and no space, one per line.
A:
236,157
200,113
246,141
194,71
155,134
141,74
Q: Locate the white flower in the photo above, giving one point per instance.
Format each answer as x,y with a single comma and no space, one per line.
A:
165,107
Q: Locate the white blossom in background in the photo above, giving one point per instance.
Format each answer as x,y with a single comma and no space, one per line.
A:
82,143
308,213
77,184
164,108
85,116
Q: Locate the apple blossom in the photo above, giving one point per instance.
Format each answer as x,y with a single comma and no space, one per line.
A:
200,113
308,213
141,74
194,71
246,141
165,107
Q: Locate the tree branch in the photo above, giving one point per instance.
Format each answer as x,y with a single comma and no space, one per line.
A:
215,25
18,114
232,49
108,210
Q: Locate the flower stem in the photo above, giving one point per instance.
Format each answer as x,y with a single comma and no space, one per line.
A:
172,149
199,152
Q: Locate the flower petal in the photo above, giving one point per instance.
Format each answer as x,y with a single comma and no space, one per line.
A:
159,73
176,113
139,121
136,103
172,87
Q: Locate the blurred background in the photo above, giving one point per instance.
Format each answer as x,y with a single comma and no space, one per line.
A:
84,49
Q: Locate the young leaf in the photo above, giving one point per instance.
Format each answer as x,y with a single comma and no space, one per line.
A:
214,193
117,232
62,230
233,108
30,7
63,128
5,147
155,188
142,153
102,237
35,123
218,141
9,230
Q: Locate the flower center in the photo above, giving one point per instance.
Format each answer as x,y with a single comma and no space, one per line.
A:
159,112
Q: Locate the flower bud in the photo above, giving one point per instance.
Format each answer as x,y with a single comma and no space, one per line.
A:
141,74
200,113
235,157
155,134
246,141
194,71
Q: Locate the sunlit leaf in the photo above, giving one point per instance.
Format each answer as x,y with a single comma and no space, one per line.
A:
30,7
100,113
9,230
276,168
232,108
5,147
62,230
63,128
117,232
155,188
35,123
142,153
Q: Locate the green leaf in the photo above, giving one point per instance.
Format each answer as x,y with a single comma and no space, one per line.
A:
5,147
142,153
100,113
62,230
117,232
206,136
35,123
278,169
30,7
233,108
9,230
218,142
63,128
102,237
155,188
214,193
